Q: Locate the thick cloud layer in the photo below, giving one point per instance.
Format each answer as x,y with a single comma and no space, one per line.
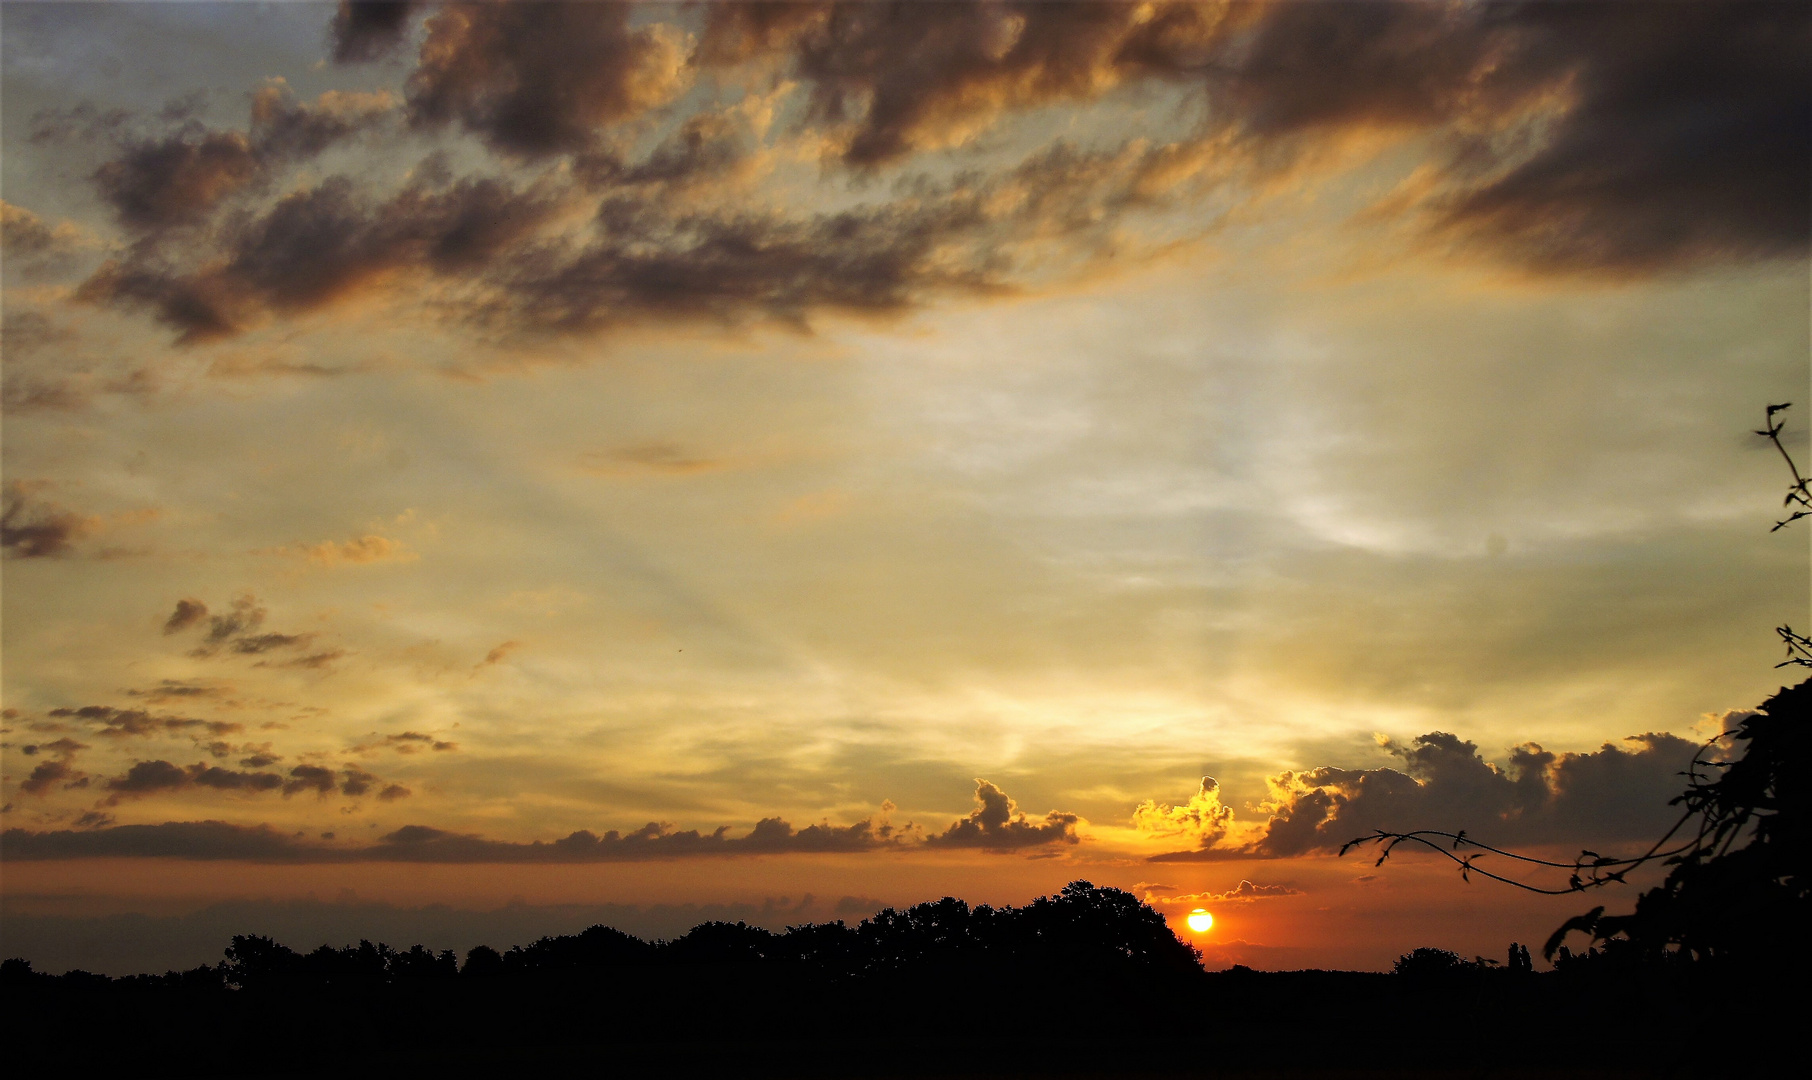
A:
420,843
1606,139
996,824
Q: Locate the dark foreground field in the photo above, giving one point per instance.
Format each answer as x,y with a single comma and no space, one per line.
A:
1086,983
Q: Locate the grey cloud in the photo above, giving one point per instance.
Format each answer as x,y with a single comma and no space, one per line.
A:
365,30
539,79
997,824
30,529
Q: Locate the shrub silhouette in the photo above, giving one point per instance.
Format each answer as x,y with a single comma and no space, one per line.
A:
1745,904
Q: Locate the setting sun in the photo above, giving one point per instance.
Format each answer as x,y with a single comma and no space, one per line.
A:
1200,921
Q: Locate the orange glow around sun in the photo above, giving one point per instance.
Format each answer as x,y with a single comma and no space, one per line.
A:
1200,921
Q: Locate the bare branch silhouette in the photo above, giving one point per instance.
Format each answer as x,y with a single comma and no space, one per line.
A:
1799,493
1738,798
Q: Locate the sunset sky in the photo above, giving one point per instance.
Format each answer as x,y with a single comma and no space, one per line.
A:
565,462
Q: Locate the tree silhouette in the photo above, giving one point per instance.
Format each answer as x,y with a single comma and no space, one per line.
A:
1739,890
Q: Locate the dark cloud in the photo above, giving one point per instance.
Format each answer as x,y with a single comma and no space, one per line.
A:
141,723
321,244
1688,143
364,30
314,778
393,792
355,781
178,177
49,774
1599,138
539,79
1614,138
35,530
997,824
146,777
152,777
187,614
1613,794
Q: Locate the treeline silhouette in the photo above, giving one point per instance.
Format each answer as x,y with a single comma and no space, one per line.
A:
1089,981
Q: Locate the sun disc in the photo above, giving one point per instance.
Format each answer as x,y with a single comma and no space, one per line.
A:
1200,921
